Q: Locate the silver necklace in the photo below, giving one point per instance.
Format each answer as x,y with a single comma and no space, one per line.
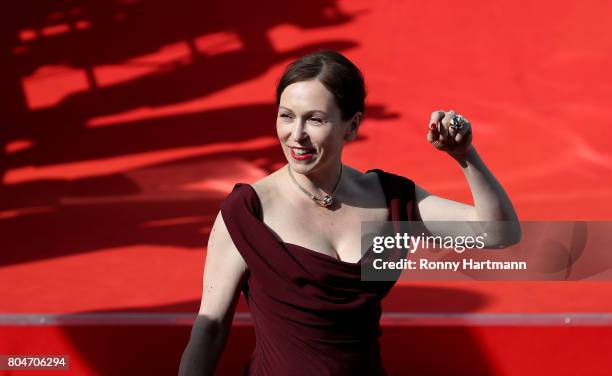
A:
327,200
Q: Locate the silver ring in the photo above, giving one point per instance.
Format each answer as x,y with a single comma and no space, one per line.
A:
458,122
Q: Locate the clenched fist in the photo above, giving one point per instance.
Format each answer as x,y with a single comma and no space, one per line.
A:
446,138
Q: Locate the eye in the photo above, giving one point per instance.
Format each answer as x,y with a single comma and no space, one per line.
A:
285,116
316,120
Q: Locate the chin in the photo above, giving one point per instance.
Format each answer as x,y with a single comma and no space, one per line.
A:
302,168
299,167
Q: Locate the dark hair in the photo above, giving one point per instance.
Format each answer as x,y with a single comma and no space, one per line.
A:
337,73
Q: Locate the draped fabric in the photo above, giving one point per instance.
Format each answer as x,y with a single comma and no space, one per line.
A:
313,314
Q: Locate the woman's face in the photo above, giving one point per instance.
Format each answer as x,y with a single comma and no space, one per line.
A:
310,127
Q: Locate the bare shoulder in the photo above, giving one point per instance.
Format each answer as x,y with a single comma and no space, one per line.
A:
370,180
220,239
224,274
267,188
367,181
367,184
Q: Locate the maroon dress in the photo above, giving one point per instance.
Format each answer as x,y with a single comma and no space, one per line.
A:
313,314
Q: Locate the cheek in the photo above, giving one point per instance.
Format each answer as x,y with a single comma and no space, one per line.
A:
280,129
332,140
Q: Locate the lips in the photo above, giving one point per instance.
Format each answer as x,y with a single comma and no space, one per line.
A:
307,153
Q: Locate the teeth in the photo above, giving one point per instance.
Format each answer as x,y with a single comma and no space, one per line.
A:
302,151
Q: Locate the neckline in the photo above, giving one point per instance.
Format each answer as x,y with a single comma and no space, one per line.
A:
318,253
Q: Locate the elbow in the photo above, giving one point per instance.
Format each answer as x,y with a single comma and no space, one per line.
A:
209,327
510,240
505,235
515,232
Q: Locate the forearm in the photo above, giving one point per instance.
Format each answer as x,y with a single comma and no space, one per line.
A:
490,200
204,349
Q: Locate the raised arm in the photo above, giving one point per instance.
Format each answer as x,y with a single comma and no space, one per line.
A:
491,203
224,274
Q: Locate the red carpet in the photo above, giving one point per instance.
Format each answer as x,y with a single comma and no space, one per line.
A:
126,123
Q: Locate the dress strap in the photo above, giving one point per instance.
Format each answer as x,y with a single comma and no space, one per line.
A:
400,195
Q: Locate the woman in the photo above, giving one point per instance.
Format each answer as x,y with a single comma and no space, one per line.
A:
291,241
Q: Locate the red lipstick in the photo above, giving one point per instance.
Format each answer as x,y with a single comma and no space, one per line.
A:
311,153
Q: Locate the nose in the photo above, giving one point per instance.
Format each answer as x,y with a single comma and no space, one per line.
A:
298,132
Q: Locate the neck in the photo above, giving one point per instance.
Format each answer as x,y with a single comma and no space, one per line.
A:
320,182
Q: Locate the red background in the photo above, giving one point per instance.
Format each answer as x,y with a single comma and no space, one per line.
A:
124,123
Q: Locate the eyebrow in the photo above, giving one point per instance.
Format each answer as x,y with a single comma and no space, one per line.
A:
307,112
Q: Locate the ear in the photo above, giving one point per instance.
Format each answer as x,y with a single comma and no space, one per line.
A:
351,131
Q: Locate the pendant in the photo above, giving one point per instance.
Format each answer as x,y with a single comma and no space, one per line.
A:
327,201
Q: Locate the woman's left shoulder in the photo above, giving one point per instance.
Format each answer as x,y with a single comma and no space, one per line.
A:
363,181
387,177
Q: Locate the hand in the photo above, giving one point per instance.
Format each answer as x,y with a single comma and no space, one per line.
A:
443,137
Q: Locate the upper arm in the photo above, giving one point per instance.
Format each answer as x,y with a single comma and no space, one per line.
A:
443,217
451,218
434,208
224,274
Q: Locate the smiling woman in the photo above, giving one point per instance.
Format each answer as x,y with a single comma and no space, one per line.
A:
291,242
321,102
